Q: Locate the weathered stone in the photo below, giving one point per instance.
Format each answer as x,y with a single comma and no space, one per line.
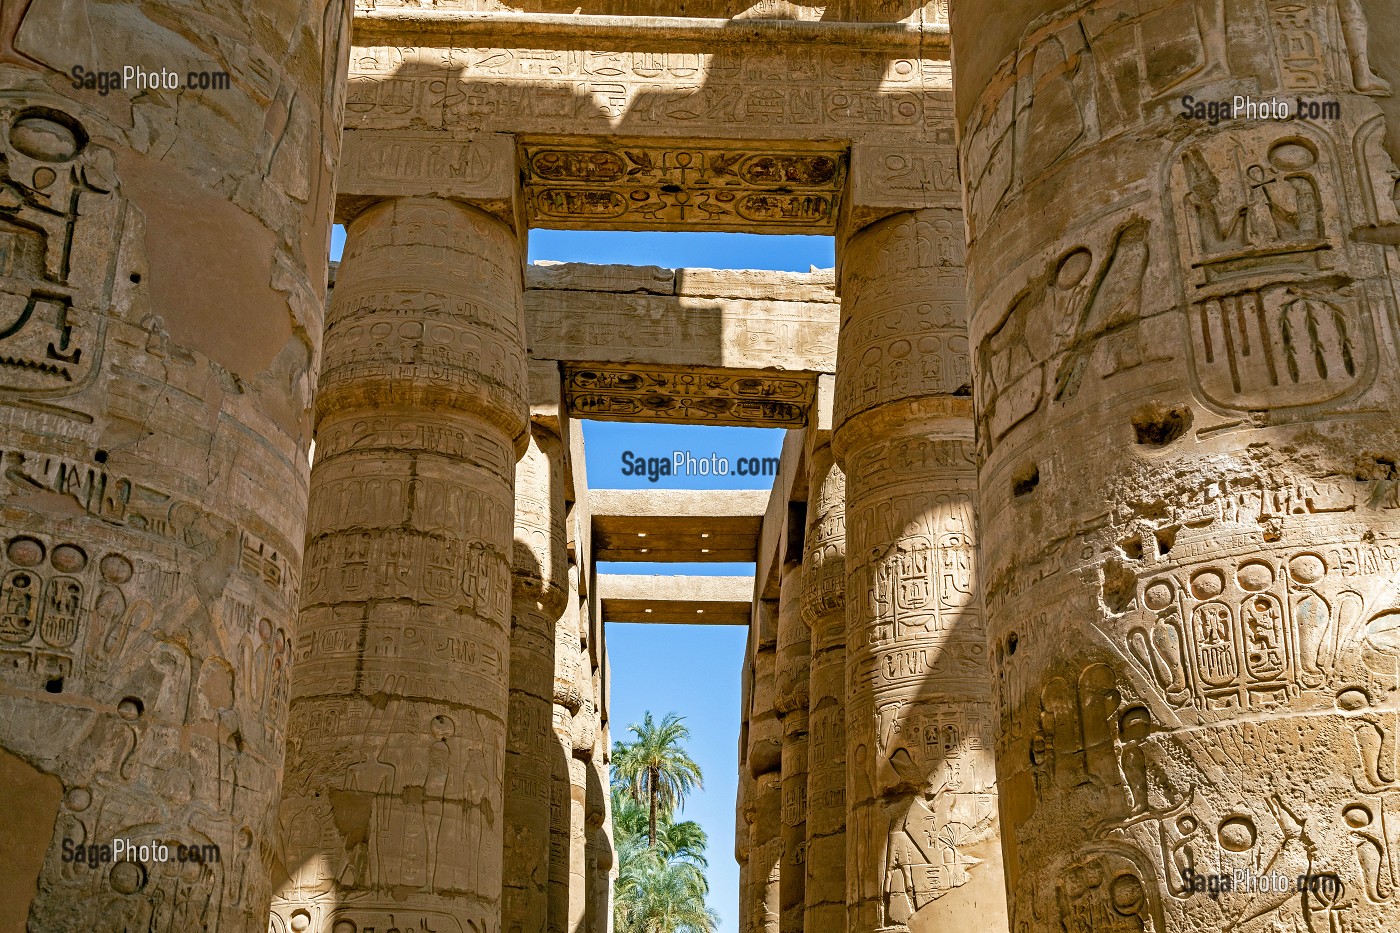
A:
791,705
1187,397
398,716
922,843
162,270
541,589
823,609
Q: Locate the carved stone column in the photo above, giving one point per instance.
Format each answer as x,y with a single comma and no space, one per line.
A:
393,804
824,611
540,593
1187,402
742,833
162,286
568,794
790,702
922,843
765,757
601,855
582,821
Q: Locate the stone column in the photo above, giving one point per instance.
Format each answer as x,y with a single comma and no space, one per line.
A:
922,843
582,822
393,803
162,285
567,812
742,834
824,611
540,593
765,757
601,855
790,703
1187,402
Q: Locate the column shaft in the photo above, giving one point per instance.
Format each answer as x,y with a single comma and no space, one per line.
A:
824,612
162,280
922,840
765,756
1187,401
541,588
791,705
393,804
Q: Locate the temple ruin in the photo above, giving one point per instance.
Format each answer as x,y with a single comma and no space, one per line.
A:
1079,583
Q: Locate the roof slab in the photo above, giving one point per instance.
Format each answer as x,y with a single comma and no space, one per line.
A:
676,600
677,525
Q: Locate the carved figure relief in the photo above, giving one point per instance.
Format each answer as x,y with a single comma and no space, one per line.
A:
1082,316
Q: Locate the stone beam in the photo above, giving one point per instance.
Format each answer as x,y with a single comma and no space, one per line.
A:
693,600
648,316
676,525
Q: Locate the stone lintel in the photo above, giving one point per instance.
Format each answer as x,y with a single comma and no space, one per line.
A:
680,394
475,167
687,600
675,525
686,317
505,29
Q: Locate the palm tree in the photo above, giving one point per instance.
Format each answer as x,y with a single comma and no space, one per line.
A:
685,841
659,895
655,766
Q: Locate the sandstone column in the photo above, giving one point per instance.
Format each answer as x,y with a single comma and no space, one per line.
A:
765,757
162,280
569,772
541,589
392,811
1187,403
922,844
824,611
790,702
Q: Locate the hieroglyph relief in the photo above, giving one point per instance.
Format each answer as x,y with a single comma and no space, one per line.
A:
688,395
61,220
649,185
802,91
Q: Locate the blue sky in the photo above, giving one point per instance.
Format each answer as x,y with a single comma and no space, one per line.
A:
692,670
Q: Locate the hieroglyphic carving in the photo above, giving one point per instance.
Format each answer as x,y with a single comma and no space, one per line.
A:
688,395
1262,236
1190,595
651,185
394,800
540,591
793,708
61,224
921,824
900,348
823,610
689,90
407,162
155,450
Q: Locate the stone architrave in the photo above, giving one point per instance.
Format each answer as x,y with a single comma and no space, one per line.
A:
790,702
541,589
922,838
1187,402
824,612
397,735
162,291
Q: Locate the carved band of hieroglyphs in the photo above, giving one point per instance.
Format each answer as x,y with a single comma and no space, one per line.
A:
655,185
721,397
802,91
